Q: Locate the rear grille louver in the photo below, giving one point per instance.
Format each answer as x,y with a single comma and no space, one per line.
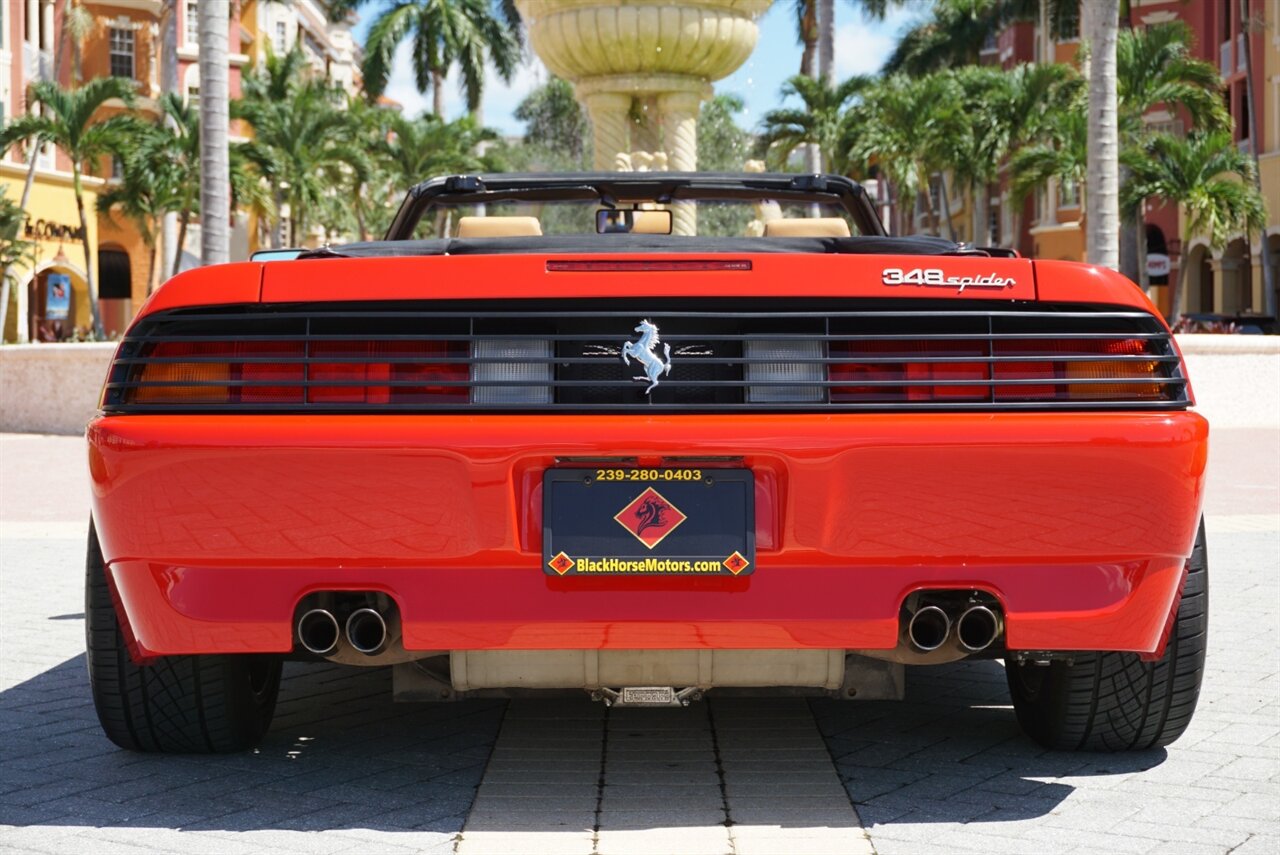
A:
533,356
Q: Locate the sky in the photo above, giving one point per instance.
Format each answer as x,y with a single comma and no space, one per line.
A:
861,47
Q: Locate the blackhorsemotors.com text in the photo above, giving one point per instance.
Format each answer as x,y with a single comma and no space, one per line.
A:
645,565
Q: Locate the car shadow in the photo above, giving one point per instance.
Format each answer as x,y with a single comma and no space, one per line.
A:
342,755
953,752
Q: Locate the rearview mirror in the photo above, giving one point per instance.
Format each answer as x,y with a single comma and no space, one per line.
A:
617,221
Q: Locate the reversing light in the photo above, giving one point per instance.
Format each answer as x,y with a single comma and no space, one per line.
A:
523,361
794,363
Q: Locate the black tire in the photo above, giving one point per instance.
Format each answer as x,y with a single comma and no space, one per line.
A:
173,704
1109,701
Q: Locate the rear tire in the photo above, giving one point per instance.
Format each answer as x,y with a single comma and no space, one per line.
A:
173,704
1108,701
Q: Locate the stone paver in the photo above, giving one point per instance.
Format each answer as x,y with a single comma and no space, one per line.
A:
346,770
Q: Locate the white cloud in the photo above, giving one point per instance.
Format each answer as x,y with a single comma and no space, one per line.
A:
863,46
500,99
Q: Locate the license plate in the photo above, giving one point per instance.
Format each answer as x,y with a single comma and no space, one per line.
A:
648,522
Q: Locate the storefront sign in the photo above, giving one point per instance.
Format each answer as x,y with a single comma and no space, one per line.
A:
57,300
1157,264
49,230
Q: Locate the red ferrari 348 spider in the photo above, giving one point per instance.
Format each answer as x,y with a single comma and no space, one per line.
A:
647,435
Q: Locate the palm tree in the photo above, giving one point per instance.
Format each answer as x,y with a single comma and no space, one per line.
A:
14,250
1155,66
182,145
305,145
1209,178
999,112
416,149
955,35
144,193
66,119
444,34
215,178
823,121
1060,154
900,127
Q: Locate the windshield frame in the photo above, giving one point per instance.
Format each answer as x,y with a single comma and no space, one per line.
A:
612,188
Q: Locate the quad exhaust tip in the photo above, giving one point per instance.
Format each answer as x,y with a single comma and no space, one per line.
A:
318,632
928,628
367,631
977,628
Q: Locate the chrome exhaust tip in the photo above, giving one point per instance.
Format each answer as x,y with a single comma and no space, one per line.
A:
978,628
367,631
928,628
318,632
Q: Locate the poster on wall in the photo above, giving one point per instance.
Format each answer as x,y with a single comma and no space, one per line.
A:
57,301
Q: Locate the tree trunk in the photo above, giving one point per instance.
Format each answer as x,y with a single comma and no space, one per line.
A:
946,206
90,273
151,265
1269,296
33,151
1101,24
183,219
437,93
1140,248
809,37
981,214
359,211
934,227
169,83
1132,234
1180,284
215,195
827,41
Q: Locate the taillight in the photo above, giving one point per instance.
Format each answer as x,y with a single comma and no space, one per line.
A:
379,372
926,370
293,372
1013,370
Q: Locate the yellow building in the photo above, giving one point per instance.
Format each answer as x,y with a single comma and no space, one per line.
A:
124,40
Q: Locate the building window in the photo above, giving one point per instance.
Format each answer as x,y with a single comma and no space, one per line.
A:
117,167
121,53
1068,193
191,14
282,37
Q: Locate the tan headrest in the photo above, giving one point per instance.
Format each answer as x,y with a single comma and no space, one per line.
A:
484,227
807,227
650,222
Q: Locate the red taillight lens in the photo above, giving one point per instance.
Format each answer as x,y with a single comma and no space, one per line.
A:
367,373
277,372
889,371
1023,370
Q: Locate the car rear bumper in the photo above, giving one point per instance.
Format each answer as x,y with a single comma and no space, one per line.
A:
215,527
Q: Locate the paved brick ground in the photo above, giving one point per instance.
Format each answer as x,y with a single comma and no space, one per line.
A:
344,769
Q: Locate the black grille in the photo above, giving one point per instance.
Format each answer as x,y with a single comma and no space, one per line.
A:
863,355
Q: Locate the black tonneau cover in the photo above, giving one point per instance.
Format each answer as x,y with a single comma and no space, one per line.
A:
629,243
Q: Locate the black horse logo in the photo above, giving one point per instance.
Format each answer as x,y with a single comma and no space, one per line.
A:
651,514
